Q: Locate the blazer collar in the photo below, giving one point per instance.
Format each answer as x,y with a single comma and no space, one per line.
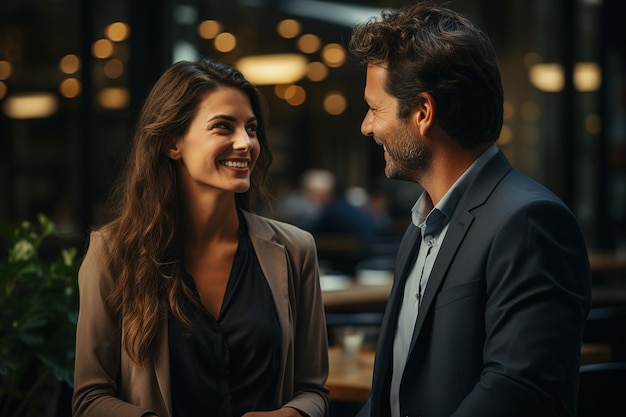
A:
271,256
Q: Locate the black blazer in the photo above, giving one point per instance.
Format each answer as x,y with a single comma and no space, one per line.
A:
500,325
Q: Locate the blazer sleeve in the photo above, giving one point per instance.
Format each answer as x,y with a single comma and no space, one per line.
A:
538,292
310,338
98,341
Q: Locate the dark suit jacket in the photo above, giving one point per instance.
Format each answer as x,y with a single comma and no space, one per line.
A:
500,326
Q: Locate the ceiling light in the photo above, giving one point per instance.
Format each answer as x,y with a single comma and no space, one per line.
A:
288,28
209,29
35,105
117,31
309,43
225,42
295,95
334,55
316,71
273,69
70,88
102,48
69,64
335,103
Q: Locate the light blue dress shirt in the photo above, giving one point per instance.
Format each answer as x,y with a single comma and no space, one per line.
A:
433,222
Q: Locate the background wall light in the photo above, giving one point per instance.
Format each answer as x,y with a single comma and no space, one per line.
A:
335,103
550,77
113,98
273,69
209,29
5,70
117,31
547,77
587,76
30,105
334,55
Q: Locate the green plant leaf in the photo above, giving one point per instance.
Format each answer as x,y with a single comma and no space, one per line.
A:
38,314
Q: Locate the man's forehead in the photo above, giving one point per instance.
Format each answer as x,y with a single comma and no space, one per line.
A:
375,83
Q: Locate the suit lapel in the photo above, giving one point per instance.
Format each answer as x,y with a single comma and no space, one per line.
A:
477,192
457,230
404,261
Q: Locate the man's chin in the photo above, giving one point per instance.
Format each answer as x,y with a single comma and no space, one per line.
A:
391,173
395,174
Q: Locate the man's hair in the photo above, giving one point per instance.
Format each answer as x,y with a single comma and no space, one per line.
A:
428,48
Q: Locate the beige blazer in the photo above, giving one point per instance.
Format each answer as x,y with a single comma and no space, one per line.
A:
108,383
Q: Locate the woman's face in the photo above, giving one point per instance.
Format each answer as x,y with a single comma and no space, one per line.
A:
220,148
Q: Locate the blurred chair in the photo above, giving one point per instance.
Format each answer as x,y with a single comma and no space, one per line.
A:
607,325
602,390
375,270
340,251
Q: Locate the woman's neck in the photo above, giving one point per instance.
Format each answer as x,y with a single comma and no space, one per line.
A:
209,220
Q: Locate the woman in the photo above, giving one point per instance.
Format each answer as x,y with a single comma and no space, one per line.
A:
190,305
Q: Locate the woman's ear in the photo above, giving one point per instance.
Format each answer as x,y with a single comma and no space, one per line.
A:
173,152
424,114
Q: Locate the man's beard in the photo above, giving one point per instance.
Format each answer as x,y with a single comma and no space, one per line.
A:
409,156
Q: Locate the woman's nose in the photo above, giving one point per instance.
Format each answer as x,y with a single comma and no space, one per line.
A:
243,140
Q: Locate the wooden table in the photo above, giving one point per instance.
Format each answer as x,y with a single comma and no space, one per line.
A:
603,262
595,353
607,295
350,378
357,297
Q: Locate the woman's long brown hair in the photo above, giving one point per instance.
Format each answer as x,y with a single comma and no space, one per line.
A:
144,238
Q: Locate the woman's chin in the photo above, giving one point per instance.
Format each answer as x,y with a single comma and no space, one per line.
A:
240,189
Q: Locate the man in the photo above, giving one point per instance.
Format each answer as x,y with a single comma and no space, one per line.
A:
492,282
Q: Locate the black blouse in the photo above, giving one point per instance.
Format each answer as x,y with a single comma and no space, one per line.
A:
228,366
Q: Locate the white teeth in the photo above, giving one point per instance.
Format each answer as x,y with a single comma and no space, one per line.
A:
236,164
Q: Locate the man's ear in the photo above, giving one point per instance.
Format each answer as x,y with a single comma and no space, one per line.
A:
173,152
423,115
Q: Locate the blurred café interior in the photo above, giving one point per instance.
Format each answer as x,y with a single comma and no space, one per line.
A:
73,74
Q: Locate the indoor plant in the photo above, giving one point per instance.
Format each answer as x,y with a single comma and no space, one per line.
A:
38,313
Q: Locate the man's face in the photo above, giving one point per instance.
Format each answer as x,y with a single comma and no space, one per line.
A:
406,153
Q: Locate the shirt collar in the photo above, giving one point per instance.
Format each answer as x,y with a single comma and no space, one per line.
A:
448,203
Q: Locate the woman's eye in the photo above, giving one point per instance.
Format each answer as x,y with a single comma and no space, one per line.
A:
220,126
